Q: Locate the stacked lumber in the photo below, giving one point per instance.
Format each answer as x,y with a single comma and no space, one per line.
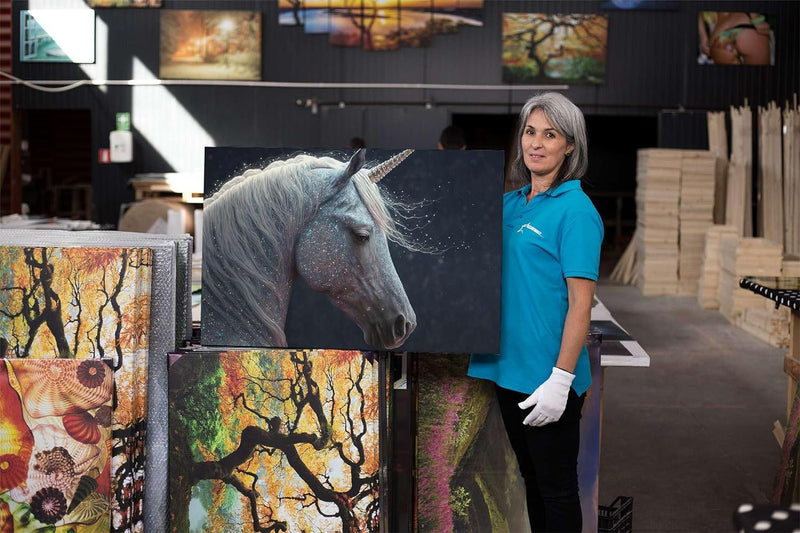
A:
767,323
791,266
740,257
625,269
738,199
770,174
708,286
696,214
791,178
658,174
718,145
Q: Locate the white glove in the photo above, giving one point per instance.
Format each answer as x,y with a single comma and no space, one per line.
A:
550,399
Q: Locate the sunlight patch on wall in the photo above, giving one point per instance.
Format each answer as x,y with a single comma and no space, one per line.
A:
98,70
166,125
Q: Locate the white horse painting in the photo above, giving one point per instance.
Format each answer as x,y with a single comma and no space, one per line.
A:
316,218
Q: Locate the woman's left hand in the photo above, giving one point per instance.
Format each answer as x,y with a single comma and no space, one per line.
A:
550,399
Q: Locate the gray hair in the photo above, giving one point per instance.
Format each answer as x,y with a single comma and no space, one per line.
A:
568,120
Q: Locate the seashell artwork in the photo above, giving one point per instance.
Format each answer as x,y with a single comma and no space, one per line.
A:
82,427
49,387
13,471
63,478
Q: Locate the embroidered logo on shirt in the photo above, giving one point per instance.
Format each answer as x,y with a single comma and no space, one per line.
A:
528,226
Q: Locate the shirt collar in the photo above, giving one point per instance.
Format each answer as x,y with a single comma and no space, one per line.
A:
558,191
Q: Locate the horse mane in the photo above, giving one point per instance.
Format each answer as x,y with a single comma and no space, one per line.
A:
254,215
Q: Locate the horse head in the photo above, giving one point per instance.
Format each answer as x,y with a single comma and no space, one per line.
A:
343,253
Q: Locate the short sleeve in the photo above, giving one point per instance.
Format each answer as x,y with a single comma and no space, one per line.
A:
581,238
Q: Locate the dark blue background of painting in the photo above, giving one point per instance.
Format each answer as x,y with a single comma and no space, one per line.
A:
455,293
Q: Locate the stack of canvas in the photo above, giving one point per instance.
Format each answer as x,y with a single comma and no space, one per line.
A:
708,286
696,215
748,256
657,197
119,295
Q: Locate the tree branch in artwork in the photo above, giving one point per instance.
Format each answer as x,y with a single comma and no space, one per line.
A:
302,401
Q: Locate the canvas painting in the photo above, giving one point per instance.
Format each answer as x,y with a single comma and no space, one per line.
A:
210,45
124,3
56,444
552,49
88,304
736,38
367,249
274,440
291,12
379,25
56,35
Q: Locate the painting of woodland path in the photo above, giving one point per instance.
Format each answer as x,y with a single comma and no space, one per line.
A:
549,48
467,475
88,303
274,440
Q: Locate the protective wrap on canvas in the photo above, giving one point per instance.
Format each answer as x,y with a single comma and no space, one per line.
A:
163,336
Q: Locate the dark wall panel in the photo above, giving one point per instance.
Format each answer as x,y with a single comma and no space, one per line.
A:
651,67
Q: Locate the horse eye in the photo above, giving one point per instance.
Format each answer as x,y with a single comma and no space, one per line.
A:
360,236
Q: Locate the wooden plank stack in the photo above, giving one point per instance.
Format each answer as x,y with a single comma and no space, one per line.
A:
740,257
718,145
696,214
658,173
791,178
770,174
738,200
708,286
767,323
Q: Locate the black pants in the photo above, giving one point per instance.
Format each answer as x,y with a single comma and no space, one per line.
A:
548,461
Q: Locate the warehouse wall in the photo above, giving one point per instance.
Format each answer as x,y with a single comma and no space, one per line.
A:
651,67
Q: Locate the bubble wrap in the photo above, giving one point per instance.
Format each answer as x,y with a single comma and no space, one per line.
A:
163,334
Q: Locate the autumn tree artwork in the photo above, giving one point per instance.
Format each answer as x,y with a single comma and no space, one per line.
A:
88,304
552,48
274,440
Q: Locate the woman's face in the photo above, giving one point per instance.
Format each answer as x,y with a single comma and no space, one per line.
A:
543,146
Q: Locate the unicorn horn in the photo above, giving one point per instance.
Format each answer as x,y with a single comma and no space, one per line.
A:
377,173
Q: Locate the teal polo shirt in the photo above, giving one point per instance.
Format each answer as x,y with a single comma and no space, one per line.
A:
557,235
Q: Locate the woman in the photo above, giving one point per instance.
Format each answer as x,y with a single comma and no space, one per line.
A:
551,253
735,38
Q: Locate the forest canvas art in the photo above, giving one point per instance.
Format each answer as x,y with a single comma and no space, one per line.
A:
55,445
375,249
88,304
274,440
210,45
553,48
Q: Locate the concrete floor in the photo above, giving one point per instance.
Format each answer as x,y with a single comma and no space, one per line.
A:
689,438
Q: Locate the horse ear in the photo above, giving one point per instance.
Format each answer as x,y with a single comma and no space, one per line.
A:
355,164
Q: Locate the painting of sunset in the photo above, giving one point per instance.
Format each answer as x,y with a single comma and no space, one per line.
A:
548,48
381,24
210,45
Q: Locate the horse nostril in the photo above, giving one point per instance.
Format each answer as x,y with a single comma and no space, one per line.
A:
402,327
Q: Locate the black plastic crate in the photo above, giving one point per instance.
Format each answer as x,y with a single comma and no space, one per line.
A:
617,517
